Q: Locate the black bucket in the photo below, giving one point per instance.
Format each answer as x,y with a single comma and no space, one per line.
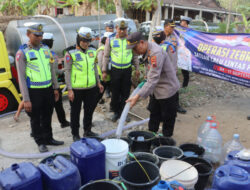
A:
98,185
204,169
52,157
161,140
133,176
192,150
141,140
168,152
144,156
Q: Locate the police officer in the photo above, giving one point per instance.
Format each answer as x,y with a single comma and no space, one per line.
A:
162,84
48,40
169,26
121,61
184,23
82,81
37,80
109,26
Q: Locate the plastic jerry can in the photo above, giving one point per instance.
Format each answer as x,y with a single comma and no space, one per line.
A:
88,155
60,174
22,176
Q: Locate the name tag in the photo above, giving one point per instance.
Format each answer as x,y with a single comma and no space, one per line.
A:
116,43
46,53
32,56
78,57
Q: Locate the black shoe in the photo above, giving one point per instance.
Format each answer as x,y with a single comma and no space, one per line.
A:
42,148
54,142
90,134
31,134
128,119
181,110
115,117
76,138
108,94
248,117
65,124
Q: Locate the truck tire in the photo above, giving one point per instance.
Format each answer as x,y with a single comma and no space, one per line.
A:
7,101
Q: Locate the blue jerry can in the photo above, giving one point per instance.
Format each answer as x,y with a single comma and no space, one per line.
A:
88,155
237,158
60,174
23,176
229,177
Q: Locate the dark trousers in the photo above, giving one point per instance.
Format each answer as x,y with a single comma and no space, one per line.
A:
185,75
100,94
163,110
59,109
88,98
42,101
120,88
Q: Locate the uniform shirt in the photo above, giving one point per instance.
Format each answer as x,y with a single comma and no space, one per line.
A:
106,58
100,57
162,81
56,62
21,63
68,68
173,56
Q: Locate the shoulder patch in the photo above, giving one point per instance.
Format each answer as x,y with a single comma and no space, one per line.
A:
91,54
68,58
153,60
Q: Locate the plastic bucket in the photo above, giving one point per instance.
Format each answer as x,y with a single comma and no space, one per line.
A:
141,140
204,169
168,152
116,156
180,171
105,185
133,176
192,150
144,156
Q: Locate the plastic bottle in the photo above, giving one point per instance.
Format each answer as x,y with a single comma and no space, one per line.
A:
212,143
232,145
204,128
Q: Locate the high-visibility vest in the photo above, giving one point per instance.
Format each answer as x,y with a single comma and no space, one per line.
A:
101,48
38,68
121,57
83,68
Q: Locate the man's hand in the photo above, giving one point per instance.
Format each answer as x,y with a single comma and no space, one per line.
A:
133,100
56,94
137,73
71,95
101,88
28,106
104,76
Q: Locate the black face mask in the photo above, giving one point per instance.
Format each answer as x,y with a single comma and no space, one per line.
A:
48,43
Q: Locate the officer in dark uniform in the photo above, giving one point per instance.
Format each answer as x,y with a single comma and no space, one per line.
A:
48,40
162,84
121,62
185,22
37,79
82,81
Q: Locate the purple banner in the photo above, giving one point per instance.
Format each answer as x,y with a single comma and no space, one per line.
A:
222,56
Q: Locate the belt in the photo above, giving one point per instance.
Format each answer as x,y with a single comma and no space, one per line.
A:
120,65
40,83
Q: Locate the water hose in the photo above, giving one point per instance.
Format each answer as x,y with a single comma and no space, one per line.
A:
125,111
63,150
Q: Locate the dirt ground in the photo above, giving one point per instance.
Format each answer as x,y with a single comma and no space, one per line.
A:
204,96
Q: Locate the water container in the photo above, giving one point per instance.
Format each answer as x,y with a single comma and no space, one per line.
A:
173,185
232,145
204,129
239,158
88,155
212,143
59,174
228,177
23,176
180,171
168,152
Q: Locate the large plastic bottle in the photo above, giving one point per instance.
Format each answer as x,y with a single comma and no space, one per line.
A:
232,145
204,128
212,143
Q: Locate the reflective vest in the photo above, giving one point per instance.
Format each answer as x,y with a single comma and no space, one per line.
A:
121,57
38,68
83,68
98,67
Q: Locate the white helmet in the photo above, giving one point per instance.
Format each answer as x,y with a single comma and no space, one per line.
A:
48,36
85,32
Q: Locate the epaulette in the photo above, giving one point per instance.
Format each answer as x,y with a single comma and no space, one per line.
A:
92,48
72,51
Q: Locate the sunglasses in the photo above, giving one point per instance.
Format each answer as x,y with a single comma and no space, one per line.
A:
38,35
